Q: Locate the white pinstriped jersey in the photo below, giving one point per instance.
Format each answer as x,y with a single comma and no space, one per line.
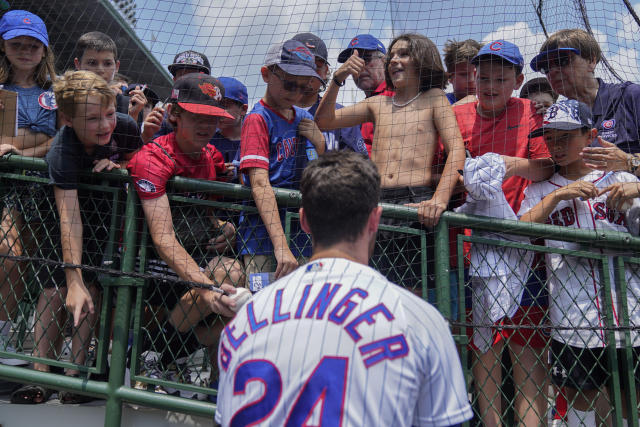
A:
575,286
336,344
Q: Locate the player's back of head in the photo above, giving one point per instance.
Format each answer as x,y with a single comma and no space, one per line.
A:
339,191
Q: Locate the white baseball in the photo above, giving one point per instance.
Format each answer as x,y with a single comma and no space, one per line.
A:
241,297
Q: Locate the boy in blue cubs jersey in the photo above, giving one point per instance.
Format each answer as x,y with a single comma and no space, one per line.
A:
273,154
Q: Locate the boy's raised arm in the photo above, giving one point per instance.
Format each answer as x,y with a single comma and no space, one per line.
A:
265,201
532,169
78,301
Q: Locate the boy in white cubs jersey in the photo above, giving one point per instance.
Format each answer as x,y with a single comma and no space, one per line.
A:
335,343
580,197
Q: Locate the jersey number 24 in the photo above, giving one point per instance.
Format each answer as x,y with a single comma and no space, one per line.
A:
325,385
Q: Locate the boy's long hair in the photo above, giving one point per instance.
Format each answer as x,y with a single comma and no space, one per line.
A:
74,87
45,72
456,52
426,57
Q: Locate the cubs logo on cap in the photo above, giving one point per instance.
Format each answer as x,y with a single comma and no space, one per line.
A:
502,49
16,23
568,114
200,94
364,42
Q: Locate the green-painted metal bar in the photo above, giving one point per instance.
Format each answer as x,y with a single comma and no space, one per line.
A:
628,376
166,402
443,284
612,357
113,408
55,381
423,265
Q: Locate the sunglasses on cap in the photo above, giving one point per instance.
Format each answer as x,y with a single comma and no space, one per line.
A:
291,86
558,59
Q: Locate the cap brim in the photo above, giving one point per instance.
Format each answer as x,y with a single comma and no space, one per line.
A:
208,110
175,67
344,55
299,70
12,34
554,126
542,57
476,59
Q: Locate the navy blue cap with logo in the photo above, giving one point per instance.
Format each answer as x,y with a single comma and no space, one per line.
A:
567,114
503,49
16,23
293,58
364,42
315,45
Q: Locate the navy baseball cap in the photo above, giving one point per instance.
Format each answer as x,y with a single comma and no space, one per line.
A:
16,23
541,59
293,58
315,45
503,49
364,42
235,90
190,59
568,114
199,94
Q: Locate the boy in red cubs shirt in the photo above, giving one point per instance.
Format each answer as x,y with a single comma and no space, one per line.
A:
179,236
498,123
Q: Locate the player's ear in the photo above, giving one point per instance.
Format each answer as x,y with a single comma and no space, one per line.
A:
303,222
65,119
519,80
374,220
76,63
264,71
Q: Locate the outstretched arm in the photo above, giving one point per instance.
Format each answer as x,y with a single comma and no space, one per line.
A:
540,212
532,169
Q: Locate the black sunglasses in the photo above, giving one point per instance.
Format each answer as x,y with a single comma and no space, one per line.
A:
291,86
561,59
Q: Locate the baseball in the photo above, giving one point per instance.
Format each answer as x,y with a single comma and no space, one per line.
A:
241,297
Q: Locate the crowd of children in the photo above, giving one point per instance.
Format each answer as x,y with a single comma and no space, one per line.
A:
531,146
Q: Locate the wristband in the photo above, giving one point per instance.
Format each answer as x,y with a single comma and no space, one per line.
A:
337,82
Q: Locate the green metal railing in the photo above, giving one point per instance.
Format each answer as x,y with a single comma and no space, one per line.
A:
126,325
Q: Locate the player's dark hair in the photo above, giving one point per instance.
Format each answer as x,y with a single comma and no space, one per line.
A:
424,54
95,40
577,39
339,191
537,85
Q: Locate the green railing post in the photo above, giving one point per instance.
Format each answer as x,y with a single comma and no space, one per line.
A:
113,408
443,282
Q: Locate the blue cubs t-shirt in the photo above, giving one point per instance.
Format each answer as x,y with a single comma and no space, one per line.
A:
341,139
270,141
616,114
36,109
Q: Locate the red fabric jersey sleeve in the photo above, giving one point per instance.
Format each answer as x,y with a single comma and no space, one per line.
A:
150,170
254,143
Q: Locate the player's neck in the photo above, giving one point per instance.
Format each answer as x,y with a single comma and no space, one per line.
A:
285,111
406,93
347,251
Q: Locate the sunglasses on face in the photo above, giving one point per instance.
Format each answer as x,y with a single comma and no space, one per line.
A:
291,86
559,60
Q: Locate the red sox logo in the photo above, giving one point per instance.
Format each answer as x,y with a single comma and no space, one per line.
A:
495,46
609,124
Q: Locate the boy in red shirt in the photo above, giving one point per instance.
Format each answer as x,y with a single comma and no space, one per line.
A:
496,122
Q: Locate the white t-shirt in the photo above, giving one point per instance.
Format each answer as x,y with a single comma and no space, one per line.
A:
335,343
575,286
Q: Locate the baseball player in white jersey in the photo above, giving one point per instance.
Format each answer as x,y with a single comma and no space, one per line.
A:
580,197
334,343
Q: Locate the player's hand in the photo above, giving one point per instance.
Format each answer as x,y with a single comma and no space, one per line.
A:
137,101
621,194
607,157
286,262
7,148
229,170
219,302
310,130
352,67
225,239
577,189
152,124
79,303
104,164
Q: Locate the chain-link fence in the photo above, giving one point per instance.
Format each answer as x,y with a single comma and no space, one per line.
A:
520,311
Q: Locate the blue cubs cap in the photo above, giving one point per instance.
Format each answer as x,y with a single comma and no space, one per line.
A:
235,90
364,42
503,49
540,60
568,114
293,58
16,23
